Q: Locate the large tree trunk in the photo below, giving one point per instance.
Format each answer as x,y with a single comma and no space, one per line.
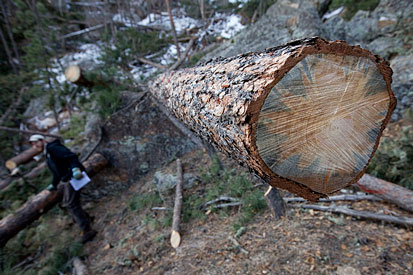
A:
388,191
306,116
41,203
22,158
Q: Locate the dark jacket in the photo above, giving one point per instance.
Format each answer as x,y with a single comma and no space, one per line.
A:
61,161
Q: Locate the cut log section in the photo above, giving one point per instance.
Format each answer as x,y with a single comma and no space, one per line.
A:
22,158
306,116
73,74
388,191
41,203
175,235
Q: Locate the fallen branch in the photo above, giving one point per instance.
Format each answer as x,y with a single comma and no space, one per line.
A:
358,214
28,132
176,236
83,31
223,205
156,65
221,198
355,197
237,245
22,158
161,209
29,175
388,191
168,7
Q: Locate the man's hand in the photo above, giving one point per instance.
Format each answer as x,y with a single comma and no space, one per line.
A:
76,173
51,187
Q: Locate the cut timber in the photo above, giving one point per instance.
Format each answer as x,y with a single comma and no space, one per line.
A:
41,203
176,236
73,74
275,202
306,116
388,191
22,158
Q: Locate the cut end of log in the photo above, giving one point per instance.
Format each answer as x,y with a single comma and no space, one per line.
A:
175,239
320,123
72,73
10,164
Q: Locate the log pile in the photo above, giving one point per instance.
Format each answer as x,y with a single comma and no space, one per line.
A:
306,116
41,203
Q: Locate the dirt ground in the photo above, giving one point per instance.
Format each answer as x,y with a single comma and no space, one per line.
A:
303,242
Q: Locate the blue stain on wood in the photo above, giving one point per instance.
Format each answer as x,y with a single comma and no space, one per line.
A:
289,167
273,103
375,86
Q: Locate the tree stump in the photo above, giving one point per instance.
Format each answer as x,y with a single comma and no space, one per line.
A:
306,116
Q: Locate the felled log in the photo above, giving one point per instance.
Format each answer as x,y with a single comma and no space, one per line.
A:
22,158
306,116
29,175
176,220
41,203
73,73
388,191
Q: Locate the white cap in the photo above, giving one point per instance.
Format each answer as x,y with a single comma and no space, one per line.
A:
36,138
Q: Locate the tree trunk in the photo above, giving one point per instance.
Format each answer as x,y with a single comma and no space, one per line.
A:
275,202
41,203
176,236
168,7
8,53
306,116
388,191
22,158
10,33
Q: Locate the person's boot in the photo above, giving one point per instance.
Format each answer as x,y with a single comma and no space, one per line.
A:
88,235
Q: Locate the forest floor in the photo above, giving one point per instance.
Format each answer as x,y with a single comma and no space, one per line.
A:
303,242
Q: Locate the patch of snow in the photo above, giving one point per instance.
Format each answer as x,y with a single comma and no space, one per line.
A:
181,21
333,13
225,26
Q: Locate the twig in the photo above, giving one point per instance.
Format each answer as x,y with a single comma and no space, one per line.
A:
83,31
358,214
28,132
147,61
176,236
237,245
356,197
29,259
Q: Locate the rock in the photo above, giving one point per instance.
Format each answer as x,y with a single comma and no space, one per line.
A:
334,28
165,181
36,107
362,28
385,46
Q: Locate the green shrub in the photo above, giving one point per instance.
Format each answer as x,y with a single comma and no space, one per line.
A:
393,160
147,200
352,6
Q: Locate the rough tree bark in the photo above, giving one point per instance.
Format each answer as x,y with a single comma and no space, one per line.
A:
41,203
175,235
306,116
22,158
388,191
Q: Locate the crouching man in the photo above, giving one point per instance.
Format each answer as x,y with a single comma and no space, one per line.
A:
64,165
